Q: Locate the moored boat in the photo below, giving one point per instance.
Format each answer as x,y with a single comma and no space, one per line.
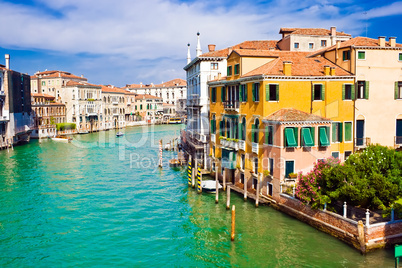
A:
210,186
119,134
62,139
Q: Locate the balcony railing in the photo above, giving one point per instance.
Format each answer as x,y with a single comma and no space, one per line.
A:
255,147
397,142
242,145
230,144
362,142
115,102
231,105
193,102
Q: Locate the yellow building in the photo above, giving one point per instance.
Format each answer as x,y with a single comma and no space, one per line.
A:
262,82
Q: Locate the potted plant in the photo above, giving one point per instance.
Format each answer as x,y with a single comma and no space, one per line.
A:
266,173
292,175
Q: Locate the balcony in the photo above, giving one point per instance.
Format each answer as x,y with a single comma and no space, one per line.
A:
231,106
115,102
397,142
361,143
230,144
213,138
128,103
255,147
242,145
193,102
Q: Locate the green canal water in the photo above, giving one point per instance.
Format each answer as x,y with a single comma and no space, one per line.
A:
100,201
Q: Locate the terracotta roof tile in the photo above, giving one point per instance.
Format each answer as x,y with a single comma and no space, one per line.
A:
55,74
256,45
301,65
293,115
71,83
110,89
310,31
47,96
146,96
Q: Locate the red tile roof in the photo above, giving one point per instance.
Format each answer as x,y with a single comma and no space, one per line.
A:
171,83
80,84
146,96
256,45
301,65
110,89
310,31
55,74
46,96
293,115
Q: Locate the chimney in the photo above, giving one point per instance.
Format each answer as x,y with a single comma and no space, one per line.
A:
211,48
287,68
219,76
381,40
392,41
326,69
338,44
82,76
7,56
332,71
333,31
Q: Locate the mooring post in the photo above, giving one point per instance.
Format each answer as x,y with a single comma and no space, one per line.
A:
280,190
224,179
392,214
367,218
200,181
293,191
245,189
160,153
217,185
257,193
193,173
228,198
345,209
232,234
189,171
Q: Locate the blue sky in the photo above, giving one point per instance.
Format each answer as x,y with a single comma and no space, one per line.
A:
121,42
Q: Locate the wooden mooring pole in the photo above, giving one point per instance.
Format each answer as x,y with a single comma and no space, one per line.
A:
232,234
228,198
160,153
217,185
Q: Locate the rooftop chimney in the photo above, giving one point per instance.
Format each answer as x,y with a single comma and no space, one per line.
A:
392,41
188,54
332,71
333,31
198,49
381,40
287,68
211,48
326,69
7,56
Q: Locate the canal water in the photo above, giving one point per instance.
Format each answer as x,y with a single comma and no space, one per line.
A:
101,201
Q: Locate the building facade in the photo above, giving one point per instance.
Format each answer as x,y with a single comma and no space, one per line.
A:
47,113
149,108
16,118
114,107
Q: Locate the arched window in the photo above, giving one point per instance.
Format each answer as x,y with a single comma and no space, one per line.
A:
255,130
213,124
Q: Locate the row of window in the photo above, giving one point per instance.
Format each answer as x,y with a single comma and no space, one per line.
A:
361,55
236,69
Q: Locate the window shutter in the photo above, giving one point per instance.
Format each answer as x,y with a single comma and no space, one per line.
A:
396,90
322,91
312,130
343,91
353,93
366,90
243,135
267,92
241,93
312,92
253,90
277,92
245,92
340,132
266,134
333,132
222,92
252,132
296,131
212,126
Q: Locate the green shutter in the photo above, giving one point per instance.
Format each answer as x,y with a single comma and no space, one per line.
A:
252,132
212,126
324,141
241,93
343,55
245,92
228,71
267,92
242,135
296,131
253,90
322,91
266,134
366,90
340,132
222,100
348,131
312,92
290,139
306,137
353,93
396,90
343,91
277,92
333,132
312,131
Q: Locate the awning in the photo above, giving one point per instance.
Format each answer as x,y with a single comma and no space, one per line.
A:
324,141
307,138
290,137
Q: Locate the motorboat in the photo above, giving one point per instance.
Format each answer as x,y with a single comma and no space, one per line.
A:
210,186
119,134
62,139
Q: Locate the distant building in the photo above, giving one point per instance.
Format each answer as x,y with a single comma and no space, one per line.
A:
114,108
47,113
149,108
131,115
310,39
171,92
16,118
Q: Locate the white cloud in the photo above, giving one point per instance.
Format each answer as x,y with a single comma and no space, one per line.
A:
126,33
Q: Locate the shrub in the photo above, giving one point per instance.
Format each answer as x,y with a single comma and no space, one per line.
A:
65,126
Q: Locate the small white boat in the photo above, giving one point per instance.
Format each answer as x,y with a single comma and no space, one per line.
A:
119,134
210,186
62,139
